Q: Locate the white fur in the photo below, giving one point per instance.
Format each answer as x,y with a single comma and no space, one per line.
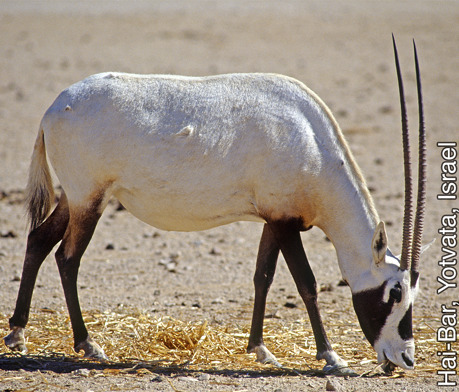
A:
166,159
193,153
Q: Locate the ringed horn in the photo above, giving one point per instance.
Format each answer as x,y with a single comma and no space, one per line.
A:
411,240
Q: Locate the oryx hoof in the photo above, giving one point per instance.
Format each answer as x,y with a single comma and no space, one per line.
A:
15,341
91,350
264,356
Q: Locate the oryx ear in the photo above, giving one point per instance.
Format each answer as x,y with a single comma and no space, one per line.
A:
423,248
427,246
379,243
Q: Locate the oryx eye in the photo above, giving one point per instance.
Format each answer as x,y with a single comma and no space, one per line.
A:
396,293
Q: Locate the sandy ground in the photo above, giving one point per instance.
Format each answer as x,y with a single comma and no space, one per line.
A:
341,49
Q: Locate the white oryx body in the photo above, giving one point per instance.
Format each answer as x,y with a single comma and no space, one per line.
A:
187,154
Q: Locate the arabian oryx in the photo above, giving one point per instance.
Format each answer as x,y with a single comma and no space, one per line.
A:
192,153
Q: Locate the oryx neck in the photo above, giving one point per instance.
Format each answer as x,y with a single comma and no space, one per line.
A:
350,225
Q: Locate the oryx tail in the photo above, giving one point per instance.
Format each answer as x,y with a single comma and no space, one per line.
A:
39,191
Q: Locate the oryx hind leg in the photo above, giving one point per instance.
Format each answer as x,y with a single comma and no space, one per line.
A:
39,243
82,223
288,237
268,252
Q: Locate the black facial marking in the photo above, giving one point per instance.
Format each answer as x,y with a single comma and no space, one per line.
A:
372,311
396,293
405,328
407,360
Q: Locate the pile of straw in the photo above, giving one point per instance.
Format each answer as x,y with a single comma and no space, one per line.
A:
164,341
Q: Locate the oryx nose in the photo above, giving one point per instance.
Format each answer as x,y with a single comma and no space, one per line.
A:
409,362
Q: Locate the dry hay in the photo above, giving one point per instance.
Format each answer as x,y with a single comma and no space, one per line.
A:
137,337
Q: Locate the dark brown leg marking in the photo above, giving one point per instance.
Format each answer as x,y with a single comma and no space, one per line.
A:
76,238
287,234
268,252
39,243
289,239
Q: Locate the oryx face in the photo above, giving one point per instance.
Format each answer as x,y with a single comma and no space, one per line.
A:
385,315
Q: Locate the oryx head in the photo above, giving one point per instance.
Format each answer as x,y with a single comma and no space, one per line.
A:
385,311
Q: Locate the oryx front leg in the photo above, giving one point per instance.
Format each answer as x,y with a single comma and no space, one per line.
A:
39,243
289,240
268,252
79,232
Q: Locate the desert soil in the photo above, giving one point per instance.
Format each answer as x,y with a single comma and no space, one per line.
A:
340,49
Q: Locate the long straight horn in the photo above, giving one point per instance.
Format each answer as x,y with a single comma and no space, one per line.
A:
421,200
408,209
